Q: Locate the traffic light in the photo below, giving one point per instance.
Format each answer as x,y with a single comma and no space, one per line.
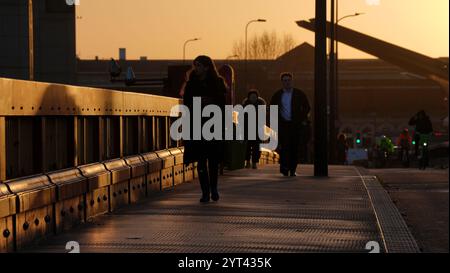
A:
413,142
358,138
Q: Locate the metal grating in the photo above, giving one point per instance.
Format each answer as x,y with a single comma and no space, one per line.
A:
259,211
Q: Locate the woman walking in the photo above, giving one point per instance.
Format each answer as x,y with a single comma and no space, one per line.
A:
252,145
203,81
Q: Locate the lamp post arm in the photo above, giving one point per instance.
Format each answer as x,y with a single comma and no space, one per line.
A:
184,47
246,31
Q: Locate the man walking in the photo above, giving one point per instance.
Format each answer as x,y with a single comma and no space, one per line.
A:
293,110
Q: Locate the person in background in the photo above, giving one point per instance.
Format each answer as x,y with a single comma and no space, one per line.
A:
342,149
404,144
252,145
293,111
423,125
203,81
386,149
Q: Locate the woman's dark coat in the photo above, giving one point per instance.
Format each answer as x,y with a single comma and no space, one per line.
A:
245,102
211,91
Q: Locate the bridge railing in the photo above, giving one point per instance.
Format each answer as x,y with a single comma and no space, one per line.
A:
69,153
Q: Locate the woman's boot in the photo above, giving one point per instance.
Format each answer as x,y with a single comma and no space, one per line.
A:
204,184
213,177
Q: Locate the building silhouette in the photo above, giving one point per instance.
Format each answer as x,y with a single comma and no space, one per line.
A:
54,40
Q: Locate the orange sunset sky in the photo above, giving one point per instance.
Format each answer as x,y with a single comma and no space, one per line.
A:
158,29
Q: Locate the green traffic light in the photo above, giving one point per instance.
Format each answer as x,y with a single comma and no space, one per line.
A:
358,141
413,142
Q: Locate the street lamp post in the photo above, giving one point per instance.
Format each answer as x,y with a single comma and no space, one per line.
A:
246,48
334,86
337,43
320,91
184,47
331,94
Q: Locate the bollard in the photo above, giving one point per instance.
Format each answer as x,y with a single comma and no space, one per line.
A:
178,168
97,196
138,184
167,170
7,217
153,176
35,196
120,179
71,188
188,169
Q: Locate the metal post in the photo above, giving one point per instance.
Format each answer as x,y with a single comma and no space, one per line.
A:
331,88
246,56
246,50
44,147
336,57
166,132
320,91
184,52
2,148
336,85
30,40
143,135
140,134
76,140
122,133
101,139
154,134
184,47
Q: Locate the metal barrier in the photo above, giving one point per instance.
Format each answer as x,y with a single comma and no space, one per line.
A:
188,169
68,154
168,162
154,167
119,188
97,196
138,182
178,168
35,199
7,212
71,189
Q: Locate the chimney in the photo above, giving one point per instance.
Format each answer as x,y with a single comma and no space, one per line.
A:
122,54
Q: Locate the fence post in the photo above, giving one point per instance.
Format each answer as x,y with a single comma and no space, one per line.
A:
2,148
121,130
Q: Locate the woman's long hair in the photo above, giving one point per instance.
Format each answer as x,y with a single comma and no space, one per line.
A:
212,72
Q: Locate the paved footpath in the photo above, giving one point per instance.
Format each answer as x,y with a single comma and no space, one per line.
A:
259,211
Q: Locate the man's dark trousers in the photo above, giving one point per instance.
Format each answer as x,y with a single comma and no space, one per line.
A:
289,142
252,150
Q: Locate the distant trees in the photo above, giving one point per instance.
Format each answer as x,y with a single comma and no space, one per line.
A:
265,46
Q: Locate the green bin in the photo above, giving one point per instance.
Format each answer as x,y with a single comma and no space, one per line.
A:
234,154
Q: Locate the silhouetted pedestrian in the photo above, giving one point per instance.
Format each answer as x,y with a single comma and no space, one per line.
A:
404,145
342,149
293,110
204,82
423,125
252,145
